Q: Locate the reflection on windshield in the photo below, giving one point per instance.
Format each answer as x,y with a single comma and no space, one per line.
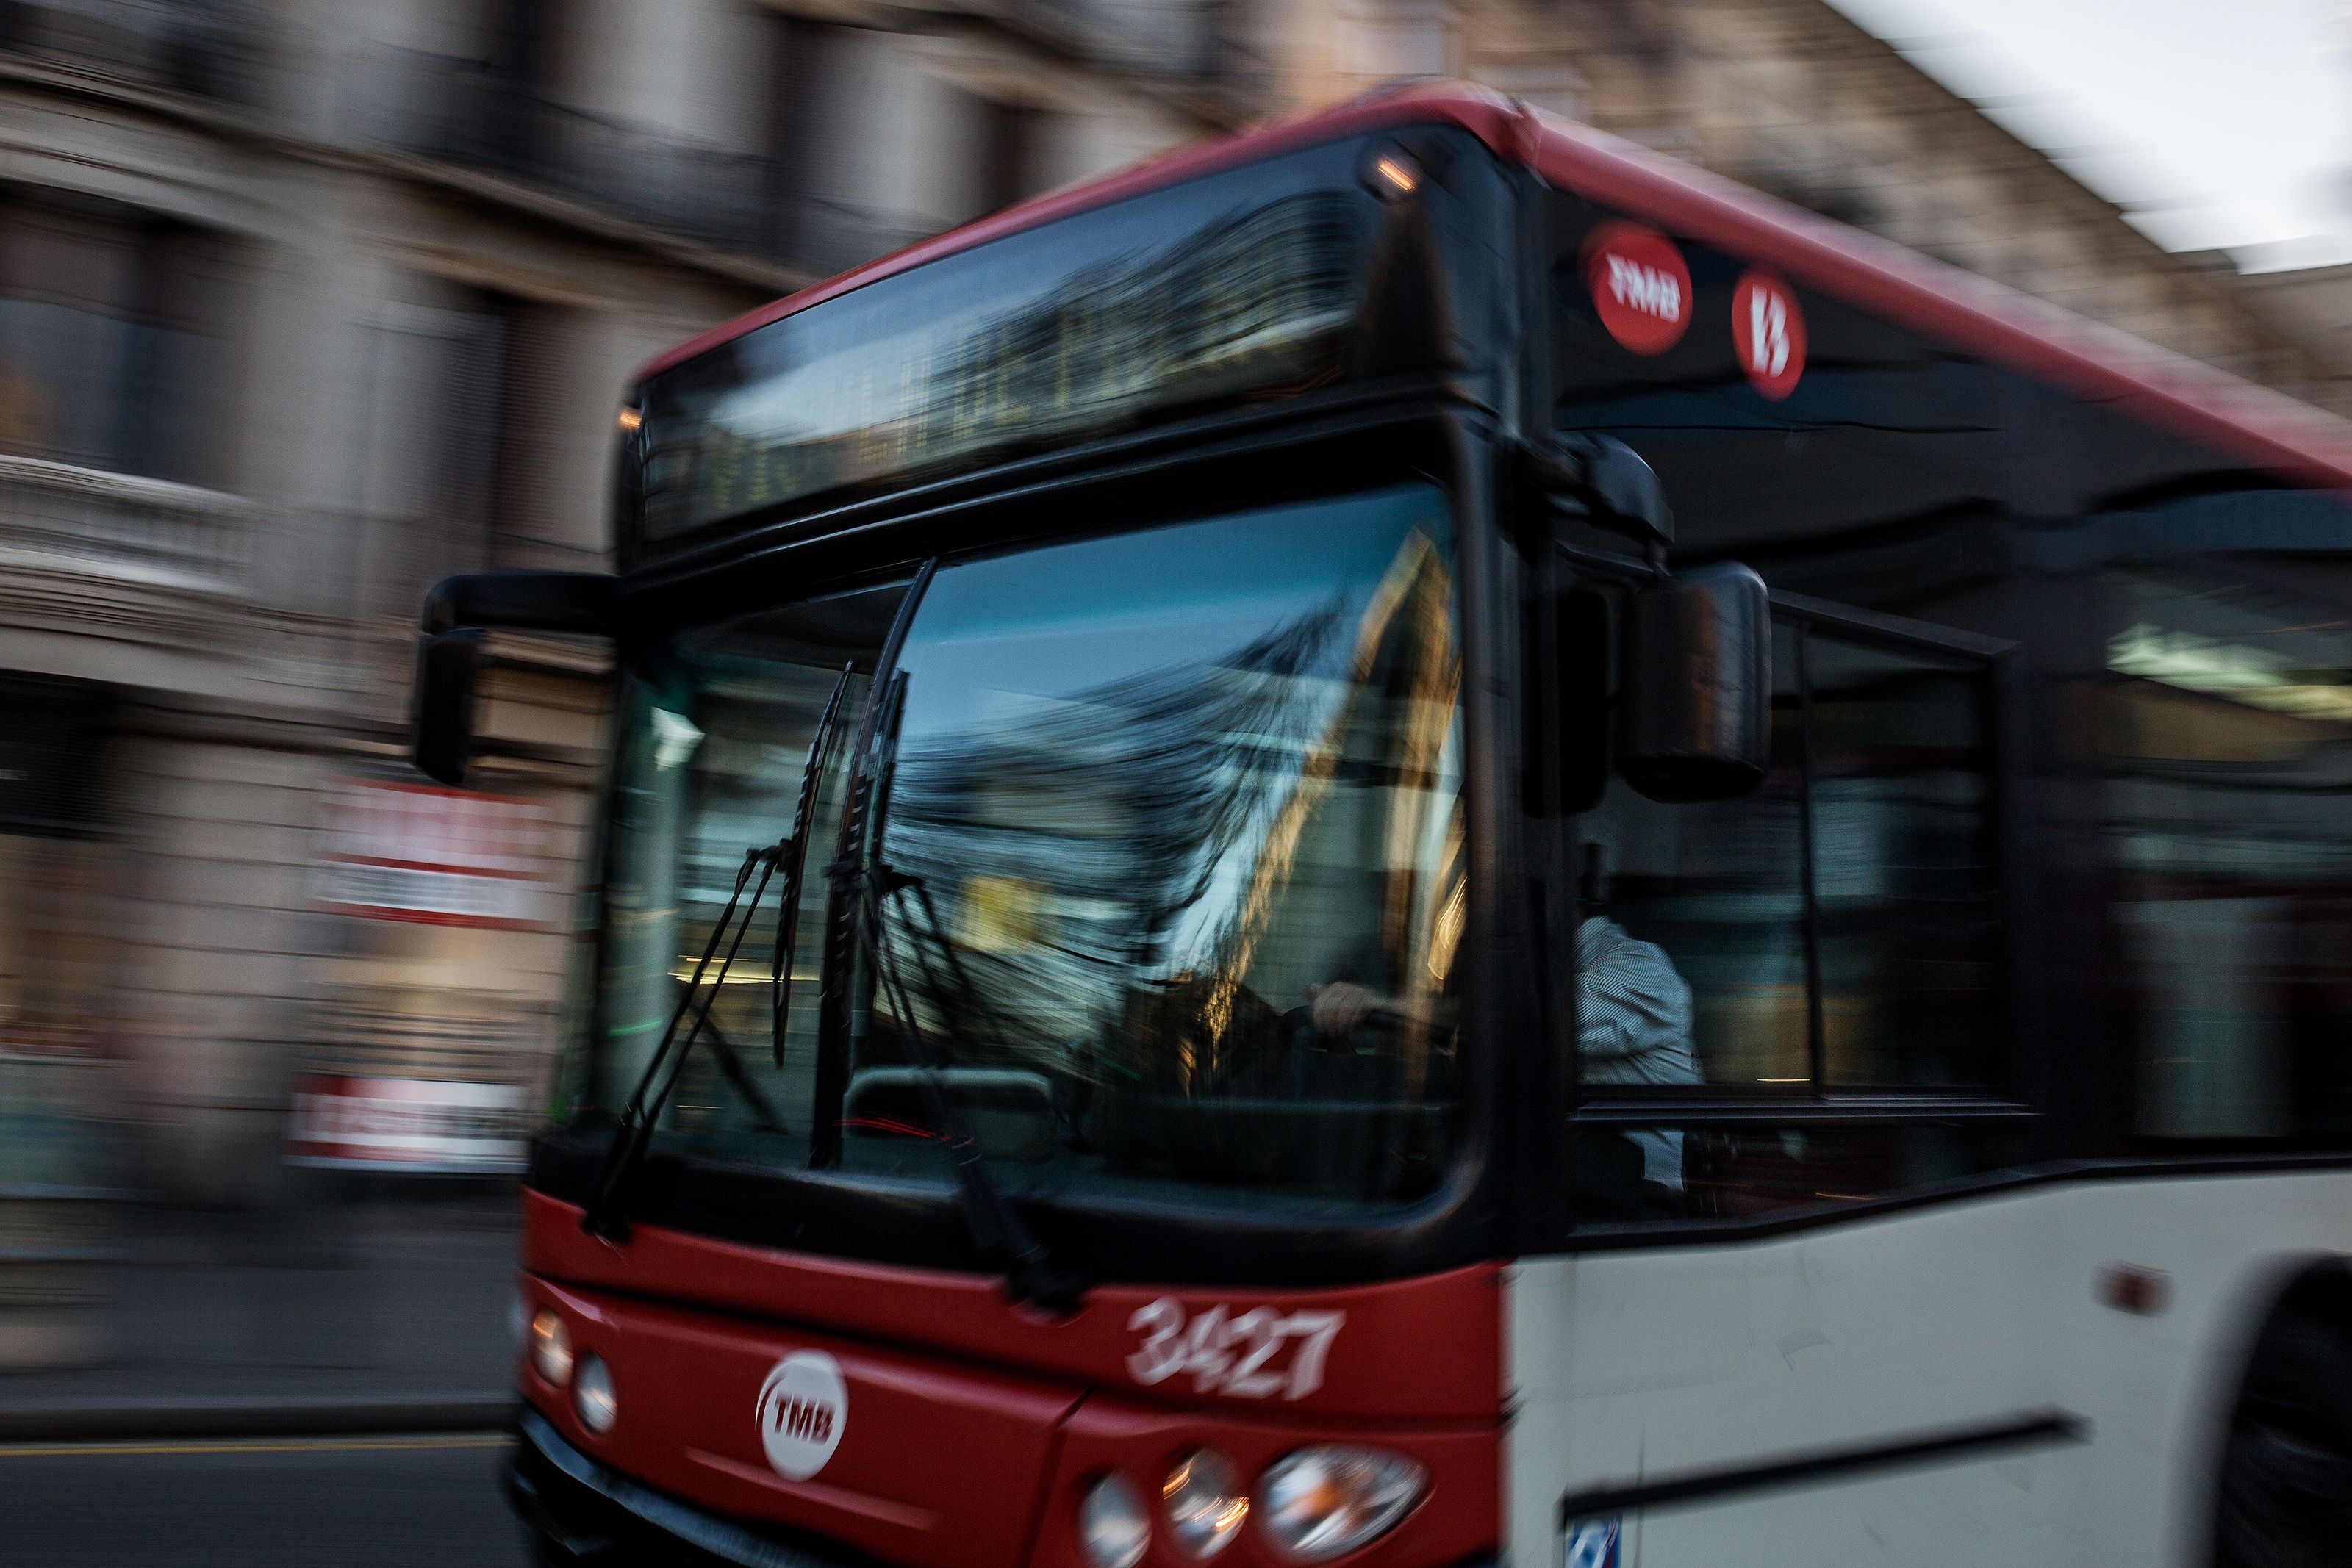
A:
1162,791
1147,798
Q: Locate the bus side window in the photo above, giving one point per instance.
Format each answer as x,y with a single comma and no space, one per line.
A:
1718,887
1904,866
2226,732
1835,933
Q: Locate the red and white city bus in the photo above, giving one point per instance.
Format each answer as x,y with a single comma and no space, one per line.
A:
1419,840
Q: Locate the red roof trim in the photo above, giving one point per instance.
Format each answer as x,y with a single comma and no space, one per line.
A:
2098,363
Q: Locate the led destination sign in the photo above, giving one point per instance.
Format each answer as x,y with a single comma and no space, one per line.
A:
1233,287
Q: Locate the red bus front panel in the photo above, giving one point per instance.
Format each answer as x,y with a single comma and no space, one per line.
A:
918,1460
1422,1349
915,1415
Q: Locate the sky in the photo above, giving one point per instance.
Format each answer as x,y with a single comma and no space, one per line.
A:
2216,124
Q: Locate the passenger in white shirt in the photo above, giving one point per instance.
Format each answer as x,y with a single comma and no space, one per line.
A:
1633,1026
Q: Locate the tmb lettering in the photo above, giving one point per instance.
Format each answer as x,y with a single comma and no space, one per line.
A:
803,1419
1646,288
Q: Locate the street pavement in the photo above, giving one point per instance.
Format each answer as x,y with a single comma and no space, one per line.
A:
391,1295
320,1502
281,1387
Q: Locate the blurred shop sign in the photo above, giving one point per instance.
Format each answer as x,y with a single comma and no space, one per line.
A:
436,856
408,1124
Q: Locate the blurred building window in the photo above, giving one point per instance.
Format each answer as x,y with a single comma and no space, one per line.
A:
111,350
440,410
801,140
524,36
1380,40
205,46
2226,731
502,108
804,56
1833,937
1011,152
62,952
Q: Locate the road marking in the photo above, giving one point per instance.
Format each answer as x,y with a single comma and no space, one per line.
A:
257,1446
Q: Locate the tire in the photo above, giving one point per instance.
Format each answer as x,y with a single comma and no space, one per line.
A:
2285,1493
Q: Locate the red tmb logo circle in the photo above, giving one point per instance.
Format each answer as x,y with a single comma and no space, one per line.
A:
1639,285
1768,332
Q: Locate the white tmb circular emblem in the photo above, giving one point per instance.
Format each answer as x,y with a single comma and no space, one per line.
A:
804,1406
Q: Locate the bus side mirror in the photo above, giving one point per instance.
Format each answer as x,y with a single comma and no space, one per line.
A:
1695,716
450,654
449,678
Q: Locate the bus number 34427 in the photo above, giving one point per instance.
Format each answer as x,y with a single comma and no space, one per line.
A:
1240,1354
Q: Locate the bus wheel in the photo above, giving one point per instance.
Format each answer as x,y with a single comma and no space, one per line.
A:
2285,1494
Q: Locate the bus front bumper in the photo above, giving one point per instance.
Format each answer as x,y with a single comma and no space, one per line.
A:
582,1512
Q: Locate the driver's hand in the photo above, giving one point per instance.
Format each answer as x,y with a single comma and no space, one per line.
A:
1340,1006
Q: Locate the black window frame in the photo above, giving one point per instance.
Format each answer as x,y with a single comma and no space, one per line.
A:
2018,1093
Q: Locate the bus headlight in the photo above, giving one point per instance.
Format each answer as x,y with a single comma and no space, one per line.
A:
591,1395
1325,1501
1112,1525
550,1346
1204,1501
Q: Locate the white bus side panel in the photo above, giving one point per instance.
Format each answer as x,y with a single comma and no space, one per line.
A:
1648,1365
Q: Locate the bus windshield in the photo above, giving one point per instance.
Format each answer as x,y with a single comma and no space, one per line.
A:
1168,858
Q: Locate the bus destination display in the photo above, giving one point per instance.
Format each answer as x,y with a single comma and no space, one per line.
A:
1014,345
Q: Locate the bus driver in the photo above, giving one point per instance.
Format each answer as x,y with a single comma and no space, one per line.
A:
1632,1026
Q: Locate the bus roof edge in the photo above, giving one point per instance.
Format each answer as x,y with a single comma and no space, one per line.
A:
2261,426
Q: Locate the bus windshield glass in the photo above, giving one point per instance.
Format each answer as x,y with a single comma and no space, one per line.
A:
1163,876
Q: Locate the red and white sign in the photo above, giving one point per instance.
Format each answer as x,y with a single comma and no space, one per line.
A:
1769,332
802,1407
442,857
1640,286
408,1124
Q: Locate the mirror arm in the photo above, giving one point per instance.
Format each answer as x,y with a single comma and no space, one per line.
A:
452,651
1580,474
446,690
581,601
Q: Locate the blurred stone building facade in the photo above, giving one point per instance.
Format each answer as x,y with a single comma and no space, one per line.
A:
303,306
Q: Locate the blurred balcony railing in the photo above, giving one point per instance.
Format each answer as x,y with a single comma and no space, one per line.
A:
1161,38
464,112
208,47
822,237
469,113
178,533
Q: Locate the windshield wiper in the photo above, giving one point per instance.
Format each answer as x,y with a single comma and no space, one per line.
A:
788,910
1032,1272
625,1154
